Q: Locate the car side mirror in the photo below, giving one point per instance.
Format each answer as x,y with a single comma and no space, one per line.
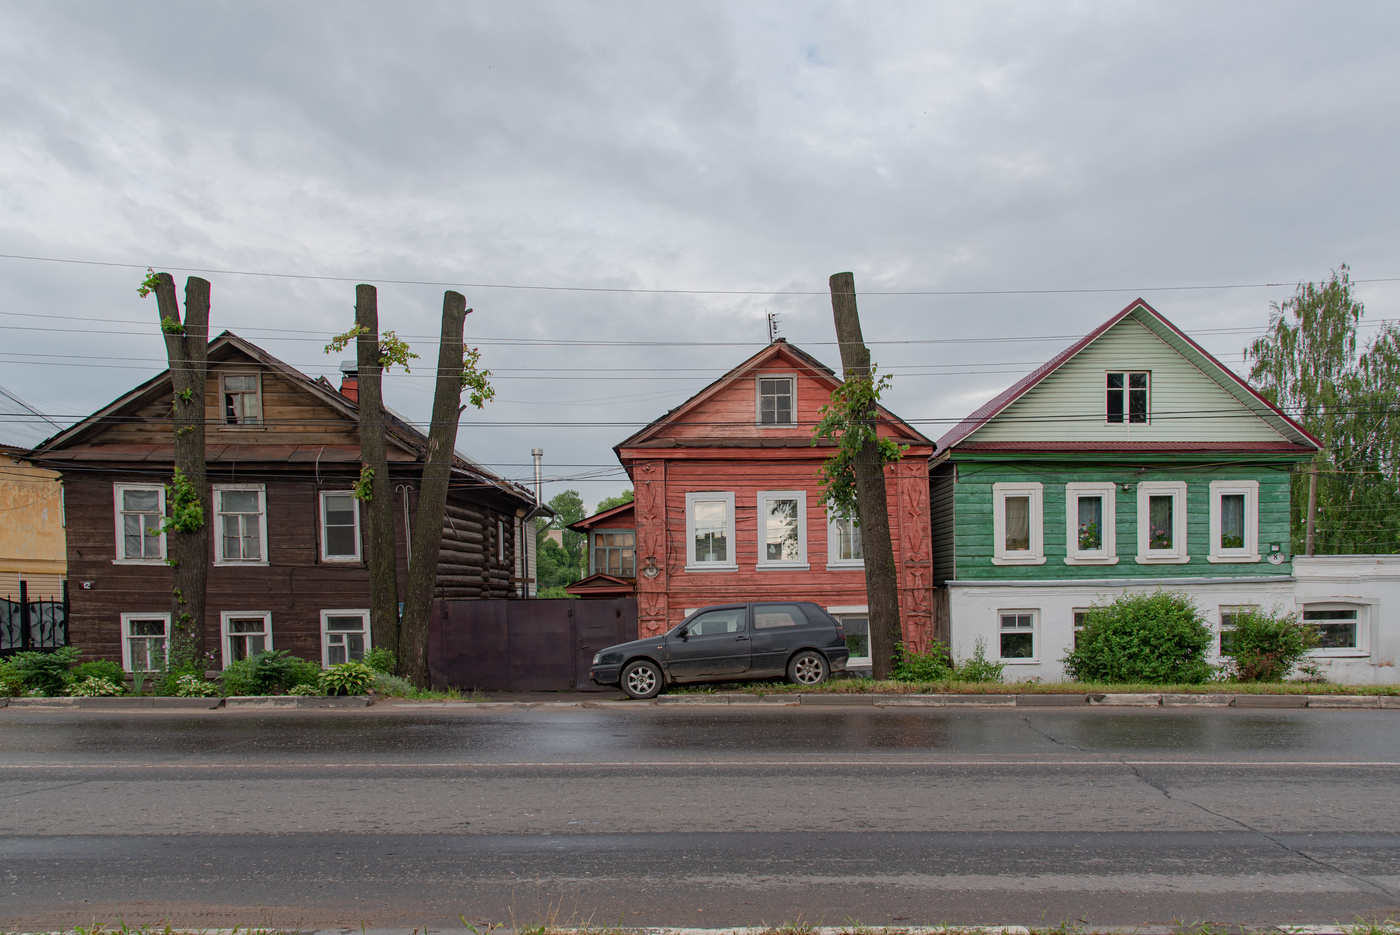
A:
683,633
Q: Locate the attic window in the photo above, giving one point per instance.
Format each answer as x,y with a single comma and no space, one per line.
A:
242,399
775,401
1127,397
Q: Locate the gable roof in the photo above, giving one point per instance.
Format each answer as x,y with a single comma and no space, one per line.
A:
588,522
1292,435
399,432
791,356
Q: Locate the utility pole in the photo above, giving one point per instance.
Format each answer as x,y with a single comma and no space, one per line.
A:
1310,541
872,508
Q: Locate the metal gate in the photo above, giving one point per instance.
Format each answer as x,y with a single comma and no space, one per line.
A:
32,624
524,645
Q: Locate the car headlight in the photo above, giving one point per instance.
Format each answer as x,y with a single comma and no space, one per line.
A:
597,658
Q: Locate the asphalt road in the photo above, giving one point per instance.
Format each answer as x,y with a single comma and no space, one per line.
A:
399,816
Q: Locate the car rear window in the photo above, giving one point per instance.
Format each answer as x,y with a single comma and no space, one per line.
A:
772,616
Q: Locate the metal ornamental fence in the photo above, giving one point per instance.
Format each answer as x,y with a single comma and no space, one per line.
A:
40,624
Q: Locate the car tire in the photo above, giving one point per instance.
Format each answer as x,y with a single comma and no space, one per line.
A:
642,679
808,668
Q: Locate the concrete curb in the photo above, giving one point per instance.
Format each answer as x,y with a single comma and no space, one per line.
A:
297,701
1261,929
1145,700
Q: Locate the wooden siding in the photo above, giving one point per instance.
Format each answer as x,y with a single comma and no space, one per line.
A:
1069,404
973,520
942,515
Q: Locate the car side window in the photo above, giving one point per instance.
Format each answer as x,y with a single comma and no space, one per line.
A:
717,622
773,616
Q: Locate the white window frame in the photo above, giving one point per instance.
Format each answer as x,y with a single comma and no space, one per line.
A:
1178,554
1127,413
1034,613
1075,627
1364,613
833,558
219,558
1107,553
223,413
838,611
732,564
361,612
120,551
127,619
1221,629
758,398
1036,554
225,643
326,556
1249,489
764,496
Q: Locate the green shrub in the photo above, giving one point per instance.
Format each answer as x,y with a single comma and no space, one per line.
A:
932,666
381,660
270,672
1157,639
391,686
99,669
979,668
93,687
348,678
304,690
1268,647
10,682
303,672
42,673
190,685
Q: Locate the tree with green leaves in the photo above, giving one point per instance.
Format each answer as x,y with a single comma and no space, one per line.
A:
607,503
1308,364
853,478
573,563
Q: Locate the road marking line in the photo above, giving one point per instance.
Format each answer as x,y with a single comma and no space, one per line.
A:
146,765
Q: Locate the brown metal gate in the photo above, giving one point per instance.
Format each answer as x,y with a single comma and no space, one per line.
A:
515,645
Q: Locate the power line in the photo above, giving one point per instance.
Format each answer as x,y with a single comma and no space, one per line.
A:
641,291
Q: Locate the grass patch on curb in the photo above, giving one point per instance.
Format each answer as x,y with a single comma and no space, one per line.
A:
855,686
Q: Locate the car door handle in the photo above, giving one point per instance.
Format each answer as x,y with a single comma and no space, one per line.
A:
738,638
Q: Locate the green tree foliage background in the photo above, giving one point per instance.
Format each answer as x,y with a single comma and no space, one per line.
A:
560,565
1308,365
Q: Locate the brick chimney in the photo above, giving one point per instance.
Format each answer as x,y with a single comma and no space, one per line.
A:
350,380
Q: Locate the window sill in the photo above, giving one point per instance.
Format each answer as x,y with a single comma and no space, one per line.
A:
1241,559
226,564
1339,654
782,566
138,561
1080,560
331,560
227,427
837,566
1037,560
1163,559
1019,662
712,567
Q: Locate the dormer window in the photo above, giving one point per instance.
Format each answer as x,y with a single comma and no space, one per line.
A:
775,396
1127,396
242,398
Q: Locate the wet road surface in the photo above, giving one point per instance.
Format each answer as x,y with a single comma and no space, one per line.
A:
397,816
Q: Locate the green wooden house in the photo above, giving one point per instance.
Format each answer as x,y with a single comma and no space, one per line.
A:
1131,460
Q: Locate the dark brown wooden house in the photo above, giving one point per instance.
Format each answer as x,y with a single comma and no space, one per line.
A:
288,568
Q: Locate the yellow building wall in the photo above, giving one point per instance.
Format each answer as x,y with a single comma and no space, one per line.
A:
32,544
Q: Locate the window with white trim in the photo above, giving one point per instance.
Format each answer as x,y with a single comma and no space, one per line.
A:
776,400
1081,617
246,633
145,642
1017,635
1090,524
782,528
140,514
242,398
1127,396
340,526
344,636
1228,616
240,534
709,522
1018,524
1340,628
1161,519
843,543
1234,521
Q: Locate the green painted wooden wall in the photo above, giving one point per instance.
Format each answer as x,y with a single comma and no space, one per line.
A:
972,520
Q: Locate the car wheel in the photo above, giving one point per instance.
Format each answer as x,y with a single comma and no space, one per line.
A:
808,667
642,679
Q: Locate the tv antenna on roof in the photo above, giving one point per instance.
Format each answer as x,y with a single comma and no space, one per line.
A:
772,327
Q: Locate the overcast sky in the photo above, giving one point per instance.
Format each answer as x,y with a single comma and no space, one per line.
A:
743,147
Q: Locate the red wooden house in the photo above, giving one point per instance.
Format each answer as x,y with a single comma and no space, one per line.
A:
729,508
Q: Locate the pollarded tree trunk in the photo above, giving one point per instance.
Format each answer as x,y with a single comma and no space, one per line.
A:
382,556
432,492
881,577
187,350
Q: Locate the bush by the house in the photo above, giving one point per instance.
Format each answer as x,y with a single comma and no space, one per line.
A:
94,687
271,672
348,678
1159,639
931,666
99,669
304,690
978,668
392,686
190,685
381,660
1269,647
39,673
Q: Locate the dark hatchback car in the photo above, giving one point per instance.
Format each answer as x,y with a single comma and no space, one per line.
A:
729,643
